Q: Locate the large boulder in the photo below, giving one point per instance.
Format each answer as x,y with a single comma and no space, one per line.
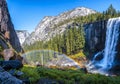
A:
11,64
7,54
7,78
10,54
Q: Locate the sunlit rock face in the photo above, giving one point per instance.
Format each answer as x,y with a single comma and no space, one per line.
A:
107,61
6,25
22,35
52,25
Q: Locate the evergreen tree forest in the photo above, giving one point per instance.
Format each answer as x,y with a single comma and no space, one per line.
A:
72,40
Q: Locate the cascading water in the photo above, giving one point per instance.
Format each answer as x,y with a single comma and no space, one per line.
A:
109,53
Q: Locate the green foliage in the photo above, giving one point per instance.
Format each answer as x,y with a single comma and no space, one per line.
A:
111,11
72,41
78,55
1,58
1,48
76,76
68,76
30,72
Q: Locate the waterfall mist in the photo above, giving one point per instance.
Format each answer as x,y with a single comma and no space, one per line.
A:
49,58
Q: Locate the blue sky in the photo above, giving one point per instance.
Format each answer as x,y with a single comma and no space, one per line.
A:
26,14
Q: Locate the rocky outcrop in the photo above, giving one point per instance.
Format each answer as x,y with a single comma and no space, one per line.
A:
7,28
7,54
22,35
7,78
11,64
95,34
52,25
9,44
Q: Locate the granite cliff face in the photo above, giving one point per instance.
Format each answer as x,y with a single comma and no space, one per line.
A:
95,34
22,35
52,25
7,26
9,44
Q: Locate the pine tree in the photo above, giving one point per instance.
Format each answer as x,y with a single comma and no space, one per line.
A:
67,44
111,10
71,40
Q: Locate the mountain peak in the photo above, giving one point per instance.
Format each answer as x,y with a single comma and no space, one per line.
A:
22,34
51,25
82,7
79,11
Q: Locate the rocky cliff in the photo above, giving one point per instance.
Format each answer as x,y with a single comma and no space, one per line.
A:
7,28
9,43
22,35
52,25
95,34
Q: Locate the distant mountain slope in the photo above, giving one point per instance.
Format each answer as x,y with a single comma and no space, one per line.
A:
52,25
22,35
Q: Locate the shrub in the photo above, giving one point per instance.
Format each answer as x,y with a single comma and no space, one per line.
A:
32,73
67,76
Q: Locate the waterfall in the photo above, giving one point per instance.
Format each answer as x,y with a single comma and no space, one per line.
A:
109,53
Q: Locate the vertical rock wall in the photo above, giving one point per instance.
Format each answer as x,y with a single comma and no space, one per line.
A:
95,34
6,25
